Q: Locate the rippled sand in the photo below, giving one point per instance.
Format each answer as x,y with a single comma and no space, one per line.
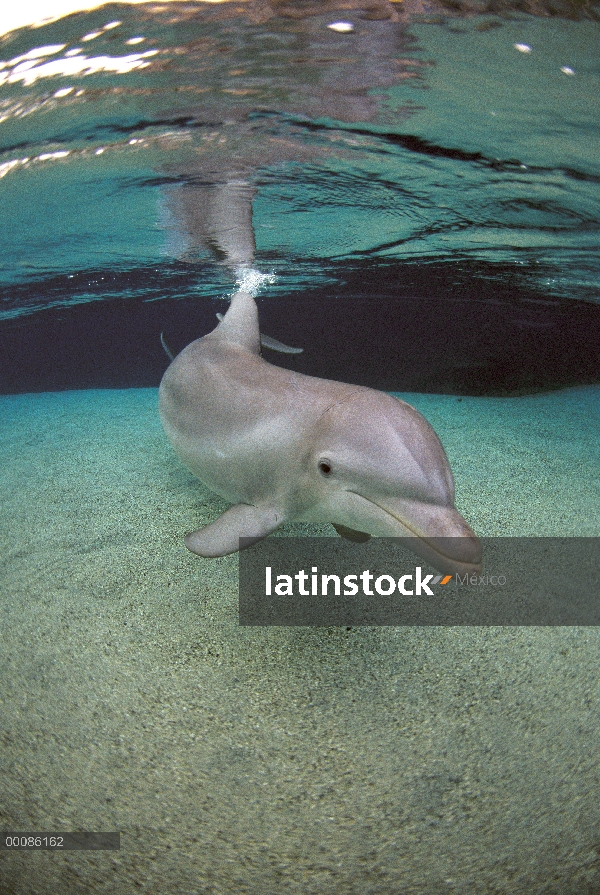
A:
278,760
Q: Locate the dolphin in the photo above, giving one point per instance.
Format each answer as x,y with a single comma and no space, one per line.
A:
281,446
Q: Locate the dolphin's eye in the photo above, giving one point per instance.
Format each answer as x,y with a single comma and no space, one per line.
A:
325,467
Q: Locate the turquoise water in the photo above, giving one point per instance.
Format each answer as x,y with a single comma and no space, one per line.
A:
451,162
416,204
439,143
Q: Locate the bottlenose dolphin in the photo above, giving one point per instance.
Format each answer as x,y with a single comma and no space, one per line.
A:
283,446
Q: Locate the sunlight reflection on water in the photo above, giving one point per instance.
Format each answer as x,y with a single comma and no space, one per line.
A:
434,142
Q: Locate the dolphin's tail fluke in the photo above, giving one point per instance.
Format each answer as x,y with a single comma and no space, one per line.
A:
268,342
274,345
168,351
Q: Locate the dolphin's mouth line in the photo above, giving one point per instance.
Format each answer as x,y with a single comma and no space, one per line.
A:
404,523
384,510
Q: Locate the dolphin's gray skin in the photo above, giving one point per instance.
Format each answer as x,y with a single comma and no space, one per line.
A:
282,446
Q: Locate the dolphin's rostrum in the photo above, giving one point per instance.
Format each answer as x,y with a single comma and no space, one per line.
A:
282,446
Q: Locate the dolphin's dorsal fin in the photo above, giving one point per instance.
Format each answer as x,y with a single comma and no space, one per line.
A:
265,342
240,323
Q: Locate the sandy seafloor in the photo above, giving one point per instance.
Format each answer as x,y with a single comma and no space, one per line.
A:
281,760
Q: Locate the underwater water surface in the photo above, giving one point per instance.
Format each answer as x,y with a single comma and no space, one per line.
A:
413,196
447,172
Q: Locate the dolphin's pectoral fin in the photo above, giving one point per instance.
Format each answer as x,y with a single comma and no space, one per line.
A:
359,537
241,521
273,344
